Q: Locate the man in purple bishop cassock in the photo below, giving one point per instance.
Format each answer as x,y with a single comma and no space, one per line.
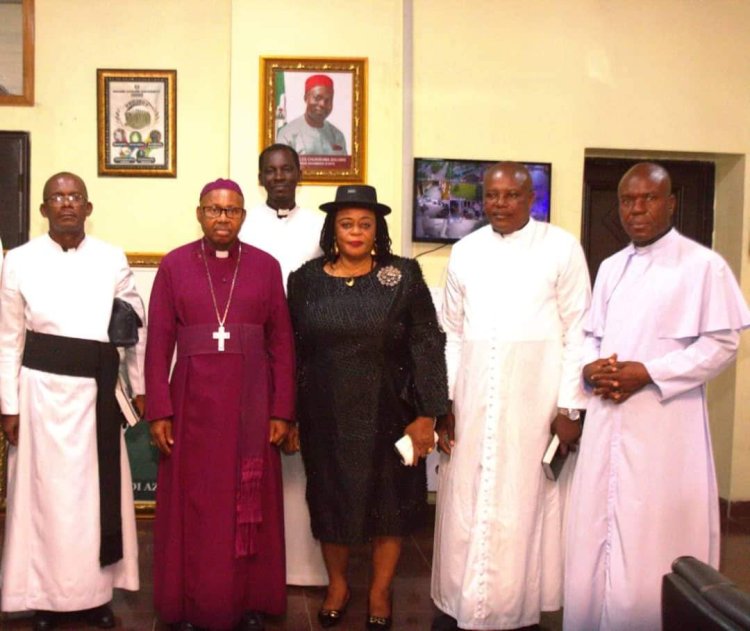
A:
218,537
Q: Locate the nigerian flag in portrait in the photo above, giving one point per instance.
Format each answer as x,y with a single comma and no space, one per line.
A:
280,105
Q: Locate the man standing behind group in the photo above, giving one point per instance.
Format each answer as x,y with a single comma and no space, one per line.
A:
68,540
665,319
311,133
515,298
292,236
218,537
287,232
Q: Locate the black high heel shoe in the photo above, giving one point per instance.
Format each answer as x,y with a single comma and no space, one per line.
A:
378,623
331,617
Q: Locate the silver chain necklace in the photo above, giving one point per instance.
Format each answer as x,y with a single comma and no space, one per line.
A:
220,334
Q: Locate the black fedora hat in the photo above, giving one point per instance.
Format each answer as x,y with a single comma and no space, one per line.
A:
356,196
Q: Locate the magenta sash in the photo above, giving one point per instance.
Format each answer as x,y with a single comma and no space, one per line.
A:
247,340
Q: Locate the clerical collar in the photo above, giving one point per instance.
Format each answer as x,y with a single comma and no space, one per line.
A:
663,241
516,234
282,213
221,254
63,249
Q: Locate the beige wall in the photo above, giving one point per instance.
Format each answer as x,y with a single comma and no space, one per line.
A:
540,80
73,39
547,81
368,28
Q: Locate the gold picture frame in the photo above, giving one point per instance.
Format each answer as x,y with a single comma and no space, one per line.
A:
334,151
137,122
3,471
18,61
144,259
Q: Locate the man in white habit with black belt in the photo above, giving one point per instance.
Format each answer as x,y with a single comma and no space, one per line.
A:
70,534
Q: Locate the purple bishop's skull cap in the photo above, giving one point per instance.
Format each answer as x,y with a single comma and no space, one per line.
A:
221,183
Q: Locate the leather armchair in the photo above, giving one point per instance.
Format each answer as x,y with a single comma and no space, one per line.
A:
695,597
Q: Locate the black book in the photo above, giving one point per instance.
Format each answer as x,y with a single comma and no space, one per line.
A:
129,411
553,460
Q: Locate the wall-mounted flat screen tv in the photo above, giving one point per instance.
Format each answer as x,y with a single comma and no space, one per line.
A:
448,197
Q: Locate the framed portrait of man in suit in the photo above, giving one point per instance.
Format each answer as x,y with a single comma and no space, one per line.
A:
318,107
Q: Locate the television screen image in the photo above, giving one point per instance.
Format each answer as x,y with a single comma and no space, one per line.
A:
448,197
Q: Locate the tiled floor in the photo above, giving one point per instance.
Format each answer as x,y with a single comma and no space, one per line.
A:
412,606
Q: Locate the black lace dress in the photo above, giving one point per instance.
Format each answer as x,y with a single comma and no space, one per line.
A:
370,358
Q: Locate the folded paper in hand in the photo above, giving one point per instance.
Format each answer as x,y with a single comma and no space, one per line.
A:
405,448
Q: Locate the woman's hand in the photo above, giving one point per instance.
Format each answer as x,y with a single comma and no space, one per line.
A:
421,432
291,442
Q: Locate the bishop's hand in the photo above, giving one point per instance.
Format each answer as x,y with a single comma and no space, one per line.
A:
161,434
278,432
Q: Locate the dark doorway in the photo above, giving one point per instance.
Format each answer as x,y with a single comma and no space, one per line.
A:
603,235
14,188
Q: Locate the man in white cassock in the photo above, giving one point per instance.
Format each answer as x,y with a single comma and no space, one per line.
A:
70,532
292,236
513,310
666,317
287,232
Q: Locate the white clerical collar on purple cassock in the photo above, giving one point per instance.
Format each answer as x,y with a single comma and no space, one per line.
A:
221,254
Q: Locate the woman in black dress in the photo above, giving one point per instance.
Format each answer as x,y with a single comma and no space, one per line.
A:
371,369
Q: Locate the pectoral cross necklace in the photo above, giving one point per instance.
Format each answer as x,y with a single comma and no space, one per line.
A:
220,335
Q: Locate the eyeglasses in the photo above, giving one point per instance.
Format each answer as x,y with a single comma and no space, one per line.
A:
58,199
214,212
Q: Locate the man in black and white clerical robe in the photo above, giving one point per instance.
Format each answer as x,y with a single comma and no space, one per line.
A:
67,457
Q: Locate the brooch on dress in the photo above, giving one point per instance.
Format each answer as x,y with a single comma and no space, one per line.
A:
389,276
